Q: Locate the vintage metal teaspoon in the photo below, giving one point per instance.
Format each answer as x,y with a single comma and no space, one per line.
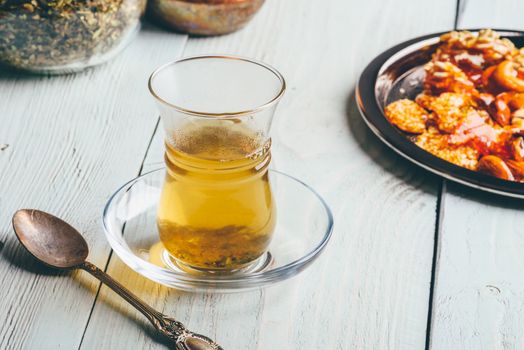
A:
57,244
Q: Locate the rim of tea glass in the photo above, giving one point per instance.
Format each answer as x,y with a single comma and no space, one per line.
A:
206,282
271,102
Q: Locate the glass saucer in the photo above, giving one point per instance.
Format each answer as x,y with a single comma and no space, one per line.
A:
304,226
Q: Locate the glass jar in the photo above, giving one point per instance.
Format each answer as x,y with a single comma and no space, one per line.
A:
61,36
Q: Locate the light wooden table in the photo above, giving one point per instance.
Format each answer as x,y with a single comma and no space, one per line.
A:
415,262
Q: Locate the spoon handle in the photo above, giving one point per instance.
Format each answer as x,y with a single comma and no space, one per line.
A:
169,327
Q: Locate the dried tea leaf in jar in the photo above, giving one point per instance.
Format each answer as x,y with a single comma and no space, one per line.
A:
65,35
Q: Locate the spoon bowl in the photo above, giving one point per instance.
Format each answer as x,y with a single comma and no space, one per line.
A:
49,239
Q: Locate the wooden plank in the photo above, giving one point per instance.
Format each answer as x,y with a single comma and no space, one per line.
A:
71,141
479,291
370,289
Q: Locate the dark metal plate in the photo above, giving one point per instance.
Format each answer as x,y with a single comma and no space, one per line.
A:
398,73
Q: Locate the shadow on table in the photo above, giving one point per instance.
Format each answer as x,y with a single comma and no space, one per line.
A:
383,156
13,252
483,197
10,73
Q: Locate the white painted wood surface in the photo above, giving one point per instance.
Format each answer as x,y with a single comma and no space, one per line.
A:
479,291
72,140
370,290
